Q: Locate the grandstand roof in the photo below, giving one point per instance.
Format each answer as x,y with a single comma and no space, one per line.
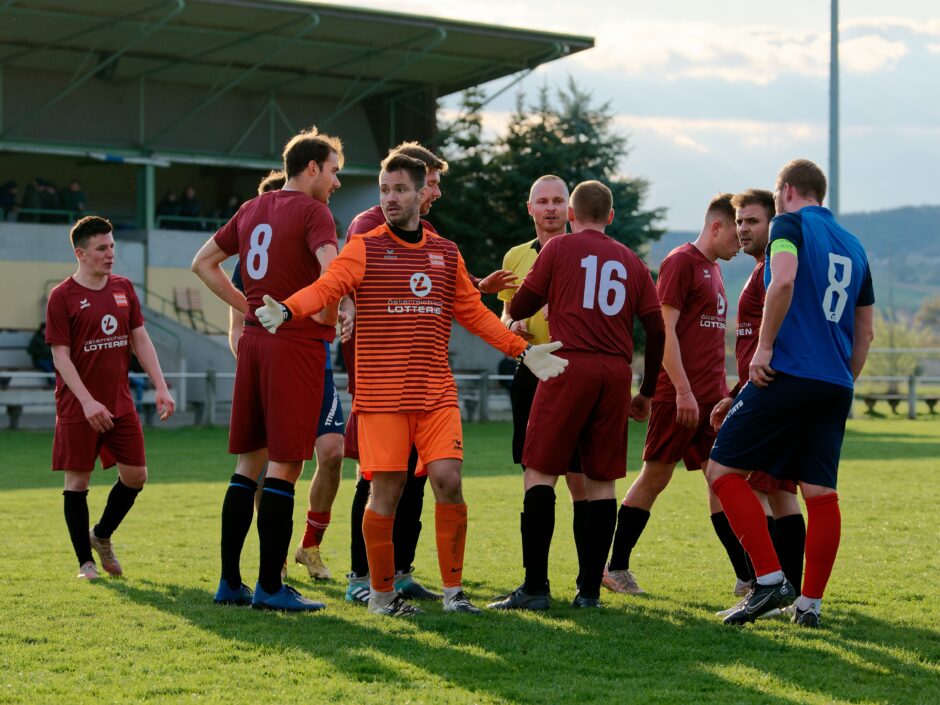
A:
343,54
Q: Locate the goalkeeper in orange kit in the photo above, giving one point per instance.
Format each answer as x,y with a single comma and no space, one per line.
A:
410,285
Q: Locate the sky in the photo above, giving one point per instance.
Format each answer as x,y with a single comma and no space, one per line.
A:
717,96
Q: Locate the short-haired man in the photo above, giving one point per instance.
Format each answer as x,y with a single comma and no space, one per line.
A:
93,321
330,427
814,339
408,526
691,382
594,287
284,239
410,285
754,210
548,206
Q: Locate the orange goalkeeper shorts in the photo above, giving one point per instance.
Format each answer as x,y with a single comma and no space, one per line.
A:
385,439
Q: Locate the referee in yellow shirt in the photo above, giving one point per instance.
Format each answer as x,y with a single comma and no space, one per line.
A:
548,206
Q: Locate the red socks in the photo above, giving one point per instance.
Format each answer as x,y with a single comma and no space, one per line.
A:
450,523
316,527
748,521
823,530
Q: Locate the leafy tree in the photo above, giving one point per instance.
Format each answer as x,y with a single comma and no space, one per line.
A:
486,190
929,314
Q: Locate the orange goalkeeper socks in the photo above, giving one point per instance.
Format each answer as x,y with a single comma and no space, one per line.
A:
450,522
377,532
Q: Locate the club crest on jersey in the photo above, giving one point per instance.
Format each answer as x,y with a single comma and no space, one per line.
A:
109,324
120,300
708,275
83,304
420,284
436,259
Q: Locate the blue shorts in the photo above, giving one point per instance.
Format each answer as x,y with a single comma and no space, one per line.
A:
792,429
331,410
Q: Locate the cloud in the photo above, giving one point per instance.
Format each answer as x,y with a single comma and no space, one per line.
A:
696,134
757,54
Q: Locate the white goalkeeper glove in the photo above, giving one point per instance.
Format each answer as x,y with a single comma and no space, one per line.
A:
540,360
272,314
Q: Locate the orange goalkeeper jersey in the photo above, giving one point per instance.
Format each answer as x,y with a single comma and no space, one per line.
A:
406,297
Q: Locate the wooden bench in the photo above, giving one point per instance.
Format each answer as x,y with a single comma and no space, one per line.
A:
894,401
15,400
188,303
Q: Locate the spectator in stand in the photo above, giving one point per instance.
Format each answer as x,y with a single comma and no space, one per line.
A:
31,201
168,207
41,353
229,209
49,198
190,207
8,206
73,199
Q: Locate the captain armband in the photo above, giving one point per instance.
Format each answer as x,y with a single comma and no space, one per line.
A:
782,245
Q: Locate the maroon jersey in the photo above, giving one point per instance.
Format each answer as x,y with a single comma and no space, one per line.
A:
594,287
692,283
276,236
750,314
96,325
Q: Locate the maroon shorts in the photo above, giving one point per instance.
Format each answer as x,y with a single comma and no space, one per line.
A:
668,442
768,484
76,445
584,410
351,440
277,395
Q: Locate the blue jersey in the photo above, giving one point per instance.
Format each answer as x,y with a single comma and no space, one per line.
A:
239,284
832,279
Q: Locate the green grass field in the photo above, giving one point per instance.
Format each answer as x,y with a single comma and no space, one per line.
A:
156,637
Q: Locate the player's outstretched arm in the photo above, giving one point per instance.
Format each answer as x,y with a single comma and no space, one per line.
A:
341,279
147,356
498,281
96,413
539,359
470,312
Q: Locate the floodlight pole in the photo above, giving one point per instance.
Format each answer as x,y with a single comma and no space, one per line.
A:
834,109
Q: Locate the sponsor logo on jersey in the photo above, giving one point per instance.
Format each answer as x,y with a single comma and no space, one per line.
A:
745,330
712,322
109,324
83,304
120,300
434,307
420,284
708,275
436,259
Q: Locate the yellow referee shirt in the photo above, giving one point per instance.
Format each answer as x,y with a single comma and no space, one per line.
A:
519,261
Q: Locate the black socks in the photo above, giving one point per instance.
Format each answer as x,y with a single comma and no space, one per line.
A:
275,523
733,547
120,500
76,519
538,525
601,520
790,541
237,510
358,561
579,529
630,524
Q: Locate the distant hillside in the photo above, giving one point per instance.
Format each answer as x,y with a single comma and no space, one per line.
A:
903,247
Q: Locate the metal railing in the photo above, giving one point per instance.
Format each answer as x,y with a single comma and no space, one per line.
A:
481,395
167,222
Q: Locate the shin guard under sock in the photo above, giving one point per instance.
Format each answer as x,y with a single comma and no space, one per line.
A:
601,520
823,531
